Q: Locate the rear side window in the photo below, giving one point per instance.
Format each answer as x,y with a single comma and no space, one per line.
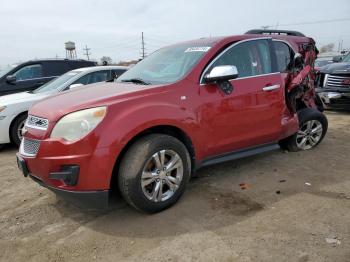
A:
251,58
284,56
29,72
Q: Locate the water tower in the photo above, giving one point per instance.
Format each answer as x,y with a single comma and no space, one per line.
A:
71,53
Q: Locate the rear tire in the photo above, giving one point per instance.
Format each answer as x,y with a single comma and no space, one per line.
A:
17,126
154,173
313,127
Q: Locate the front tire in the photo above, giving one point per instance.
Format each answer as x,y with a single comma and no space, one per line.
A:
154,173
313,127
16,129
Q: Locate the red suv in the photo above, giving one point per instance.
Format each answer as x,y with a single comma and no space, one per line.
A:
186,106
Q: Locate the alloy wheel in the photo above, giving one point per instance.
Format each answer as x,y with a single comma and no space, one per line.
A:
162,175
20,130
309,134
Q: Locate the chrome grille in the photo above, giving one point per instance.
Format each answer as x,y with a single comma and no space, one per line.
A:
29,147
337,81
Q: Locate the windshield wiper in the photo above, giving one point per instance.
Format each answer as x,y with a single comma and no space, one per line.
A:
136,81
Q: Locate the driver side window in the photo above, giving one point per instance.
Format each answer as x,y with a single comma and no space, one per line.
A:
251,58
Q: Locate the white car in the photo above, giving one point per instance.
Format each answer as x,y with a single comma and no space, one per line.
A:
14,108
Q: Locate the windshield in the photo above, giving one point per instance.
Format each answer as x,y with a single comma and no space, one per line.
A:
5,71
167,65
56,83
347,58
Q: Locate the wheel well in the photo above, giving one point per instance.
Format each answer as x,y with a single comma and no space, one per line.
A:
13,122
300,104
162,129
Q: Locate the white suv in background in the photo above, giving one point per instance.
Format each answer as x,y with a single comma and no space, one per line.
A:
14,108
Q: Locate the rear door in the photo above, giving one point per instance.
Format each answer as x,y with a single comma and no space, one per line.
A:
251,114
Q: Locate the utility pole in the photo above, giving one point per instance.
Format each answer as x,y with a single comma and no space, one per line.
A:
87,52
143,46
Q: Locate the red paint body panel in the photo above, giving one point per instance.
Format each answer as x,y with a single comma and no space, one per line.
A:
215,123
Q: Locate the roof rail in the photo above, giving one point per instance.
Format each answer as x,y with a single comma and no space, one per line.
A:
274,32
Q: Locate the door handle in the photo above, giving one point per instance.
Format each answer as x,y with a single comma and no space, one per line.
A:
270,88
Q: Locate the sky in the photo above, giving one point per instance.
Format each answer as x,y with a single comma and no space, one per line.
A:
39,28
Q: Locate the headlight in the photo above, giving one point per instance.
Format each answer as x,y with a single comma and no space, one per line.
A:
2,108
78,124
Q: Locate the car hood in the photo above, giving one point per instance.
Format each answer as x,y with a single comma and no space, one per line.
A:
18,98
336,68
102,94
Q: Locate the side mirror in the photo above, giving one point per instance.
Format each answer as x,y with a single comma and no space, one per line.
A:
221,73
11,79
337,59
298,61
74,86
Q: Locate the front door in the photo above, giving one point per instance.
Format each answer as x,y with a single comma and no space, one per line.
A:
251,114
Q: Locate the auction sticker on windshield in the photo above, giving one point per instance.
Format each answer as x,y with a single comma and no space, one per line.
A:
197,49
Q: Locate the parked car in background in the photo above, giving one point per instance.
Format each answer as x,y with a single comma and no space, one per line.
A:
33,74
185,106
14,108
333,84
322,61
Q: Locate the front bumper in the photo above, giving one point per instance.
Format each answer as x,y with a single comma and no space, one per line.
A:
334,99
90,199
77,171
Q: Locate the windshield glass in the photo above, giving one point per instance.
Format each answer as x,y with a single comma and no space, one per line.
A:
347,58
167,65
5,71
56,83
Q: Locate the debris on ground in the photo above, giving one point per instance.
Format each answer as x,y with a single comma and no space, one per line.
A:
308,184
278,192
282,181
333,240
243,186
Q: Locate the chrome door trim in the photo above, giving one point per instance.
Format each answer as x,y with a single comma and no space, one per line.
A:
37,78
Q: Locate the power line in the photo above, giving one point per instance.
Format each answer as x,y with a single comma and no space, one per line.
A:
87,52
310,22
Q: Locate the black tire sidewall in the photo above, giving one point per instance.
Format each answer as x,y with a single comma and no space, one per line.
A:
13,132
131,171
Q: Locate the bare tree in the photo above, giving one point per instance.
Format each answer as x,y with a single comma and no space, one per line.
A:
106,60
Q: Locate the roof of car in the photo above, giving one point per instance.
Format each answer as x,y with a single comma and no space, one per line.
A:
60,59
98,68
214,40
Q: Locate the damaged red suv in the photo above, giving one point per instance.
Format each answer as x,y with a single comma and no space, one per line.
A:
186,106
